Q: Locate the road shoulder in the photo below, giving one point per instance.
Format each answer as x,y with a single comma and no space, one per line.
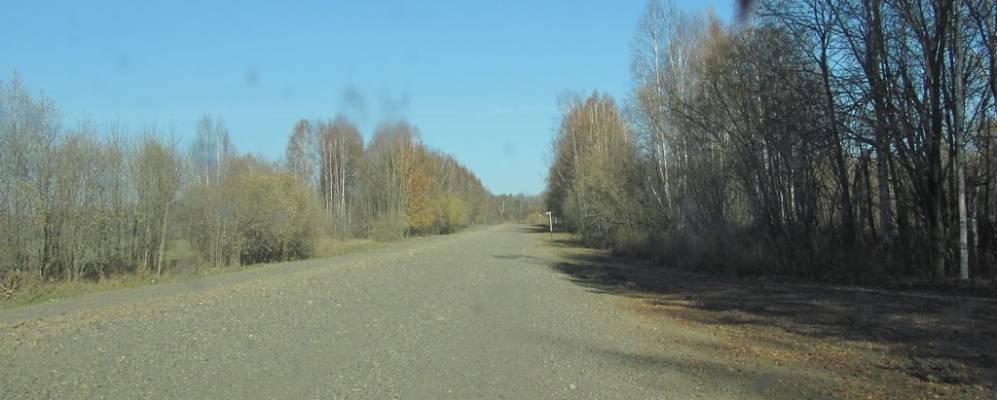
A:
852,343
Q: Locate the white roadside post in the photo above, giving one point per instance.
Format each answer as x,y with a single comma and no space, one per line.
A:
550,221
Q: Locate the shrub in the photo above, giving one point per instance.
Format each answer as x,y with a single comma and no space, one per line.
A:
256,215
454,213
275,218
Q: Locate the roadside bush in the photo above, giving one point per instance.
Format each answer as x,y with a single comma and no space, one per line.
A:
256,215
12,282
274,218
453,213
209,217
634,244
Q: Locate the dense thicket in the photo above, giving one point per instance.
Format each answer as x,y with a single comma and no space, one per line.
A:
89,202
826,139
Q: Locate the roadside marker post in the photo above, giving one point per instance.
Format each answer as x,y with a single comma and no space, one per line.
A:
550,221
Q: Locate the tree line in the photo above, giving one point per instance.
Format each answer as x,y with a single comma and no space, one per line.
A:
392,187
89,202
825,139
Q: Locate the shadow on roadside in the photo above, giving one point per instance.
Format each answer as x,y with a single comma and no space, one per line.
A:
939,339
537,228
768,384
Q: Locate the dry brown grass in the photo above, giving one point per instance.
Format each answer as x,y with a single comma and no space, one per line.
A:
873,344
30,291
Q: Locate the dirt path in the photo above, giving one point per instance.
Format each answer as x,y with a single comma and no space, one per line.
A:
492,313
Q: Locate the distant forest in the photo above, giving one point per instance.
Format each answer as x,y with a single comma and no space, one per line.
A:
844,140
90,201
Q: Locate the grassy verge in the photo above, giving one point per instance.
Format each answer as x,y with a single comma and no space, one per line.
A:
37,292
180,254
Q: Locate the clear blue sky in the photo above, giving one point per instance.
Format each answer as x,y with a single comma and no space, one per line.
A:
479,78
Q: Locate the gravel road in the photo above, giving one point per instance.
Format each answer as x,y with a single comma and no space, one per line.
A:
479,314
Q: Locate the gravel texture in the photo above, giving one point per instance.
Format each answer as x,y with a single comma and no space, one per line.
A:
481,314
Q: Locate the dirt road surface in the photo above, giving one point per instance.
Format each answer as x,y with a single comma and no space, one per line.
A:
488,313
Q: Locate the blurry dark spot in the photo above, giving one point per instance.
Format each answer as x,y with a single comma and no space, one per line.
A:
122,64
744,9
353,105
395,107
509,150
252,76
